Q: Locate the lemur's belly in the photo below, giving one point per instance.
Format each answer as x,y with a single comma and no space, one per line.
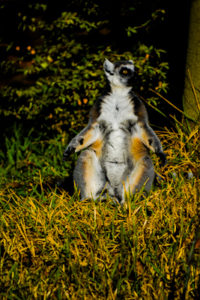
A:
116,147
115,158
115,173
117,113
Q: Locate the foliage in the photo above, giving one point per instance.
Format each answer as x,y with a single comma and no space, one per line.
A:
26,157
54,246
52,79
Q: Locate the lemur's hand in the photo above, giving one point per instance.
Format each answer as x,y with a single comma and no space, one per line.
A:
72,147
68,151
162,157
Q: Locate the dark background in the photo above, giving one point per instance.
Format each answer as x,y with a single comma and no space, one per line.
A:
167,31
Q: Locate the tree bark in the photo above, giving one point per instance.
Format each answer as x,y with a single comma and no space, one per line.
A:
191,94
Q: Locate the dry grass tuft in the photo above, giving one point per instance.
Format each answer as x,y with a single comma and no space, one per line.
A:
56,247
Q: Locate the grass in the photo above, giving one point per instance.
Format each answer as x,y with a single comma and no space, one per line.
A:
55,247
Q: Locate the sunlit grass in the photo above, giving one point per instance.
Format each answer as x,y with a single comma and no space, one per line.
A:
55,247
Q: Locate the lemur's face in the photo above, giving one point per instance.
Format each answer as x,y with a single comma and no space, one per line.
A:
119,73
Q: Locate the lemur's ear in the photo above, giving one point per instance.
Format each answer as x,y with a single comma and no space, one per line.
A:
108,67
130,60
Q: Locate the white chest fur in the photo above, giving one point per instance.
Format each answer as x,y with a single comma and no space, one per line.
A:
117,108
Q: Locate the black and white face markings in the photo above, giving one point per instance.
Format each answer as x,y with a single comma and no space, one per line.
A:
119,73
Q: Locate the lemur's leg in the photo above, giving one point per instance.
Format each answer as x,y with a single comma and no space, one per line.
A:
84,139
143,171
88,175
142,175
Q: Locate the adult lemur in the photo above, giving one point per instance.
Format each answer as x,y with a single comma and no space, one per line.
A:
118,139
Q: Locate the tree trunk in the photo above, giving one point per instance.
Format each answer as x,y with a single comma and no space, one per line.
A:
191,94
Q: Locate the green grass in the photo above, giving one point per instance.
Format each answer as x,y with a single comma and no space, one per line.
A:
55,247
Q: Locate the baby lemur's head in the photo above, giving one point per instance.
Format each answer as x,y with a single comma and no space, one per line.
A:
119,73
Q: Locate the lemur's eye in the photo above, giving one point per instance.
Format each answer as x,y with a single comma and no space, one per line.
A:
125,72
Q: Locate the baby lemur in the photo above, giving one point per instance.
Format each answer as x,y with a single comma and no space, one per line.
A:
117,140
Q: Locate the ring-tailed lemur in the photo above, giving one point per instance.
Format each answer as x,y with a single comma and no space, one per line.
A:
118,139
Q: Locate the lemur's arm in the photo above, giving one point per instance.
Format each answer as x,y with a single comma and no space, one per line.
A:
151,141
83,140
88,135
148,136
